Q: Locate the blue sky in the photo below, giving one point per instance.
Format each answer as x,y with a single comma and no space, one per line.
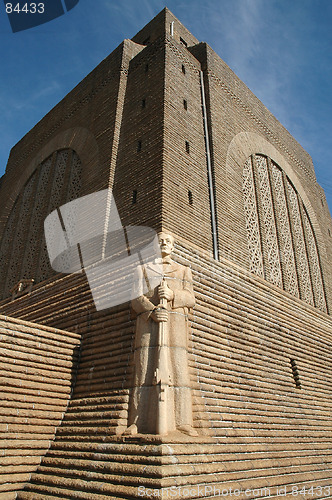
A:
281,49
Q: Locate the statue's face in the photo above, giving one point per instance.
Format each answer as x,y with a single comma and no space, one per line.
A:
166,243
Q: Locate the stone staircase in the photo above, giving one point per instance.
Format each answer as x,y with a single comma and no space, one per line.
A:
109,468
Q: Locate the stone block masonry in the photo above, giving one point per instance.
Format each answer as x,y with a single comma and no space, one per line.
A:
257,428
38,371
260,333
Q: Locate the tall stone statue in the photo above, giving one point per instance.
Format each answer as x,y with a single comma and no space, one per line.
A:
161,399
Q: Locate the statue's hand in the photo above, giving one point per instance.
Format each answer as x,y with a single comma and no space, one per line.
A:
165,292
159,315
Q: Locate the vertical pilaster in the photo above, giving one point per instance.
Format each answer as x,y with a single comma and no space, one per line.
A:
300,252
276,221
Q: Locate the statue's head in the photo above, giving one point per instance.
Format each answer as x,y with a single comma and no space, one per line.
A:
166,243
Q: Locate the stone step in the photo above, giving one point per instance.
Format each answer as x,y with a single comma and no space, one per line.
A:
105,384
93,359
32,343
108,448
35,354
126,473
39,415
28,401
24,367
86,416
104,472
296,490
83,430
10,481
53,397
13,445
226,449
67,487
40,492
111,399
23,421
80,488
14,324
97,406
143,445
96,438
102,462
18,431
253,479
34,332
15,460
262,433
67,459
112,421
10,495
32,495
59,390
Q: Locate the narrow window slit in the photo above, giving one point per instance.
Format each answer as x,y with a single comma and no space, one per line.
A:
190,197
296,375
187,147
183,69
134,198
139,146
185,104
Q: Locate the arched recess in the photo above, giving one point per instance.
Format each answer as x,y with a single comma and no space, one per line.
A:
285,243
55,176
79,139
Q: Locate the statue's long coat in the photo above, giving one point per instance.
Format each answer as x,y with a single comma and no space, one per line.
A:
144,399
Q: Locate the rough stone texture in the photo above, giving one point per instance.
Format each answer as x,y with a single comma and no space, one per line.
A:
260,359
266,431
38,370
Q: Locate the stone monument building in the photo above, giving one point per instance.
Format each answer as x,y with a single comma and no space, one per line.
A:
187,149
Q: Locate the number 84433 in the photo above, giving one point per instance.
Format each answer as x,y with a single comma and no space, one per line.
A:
31,8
